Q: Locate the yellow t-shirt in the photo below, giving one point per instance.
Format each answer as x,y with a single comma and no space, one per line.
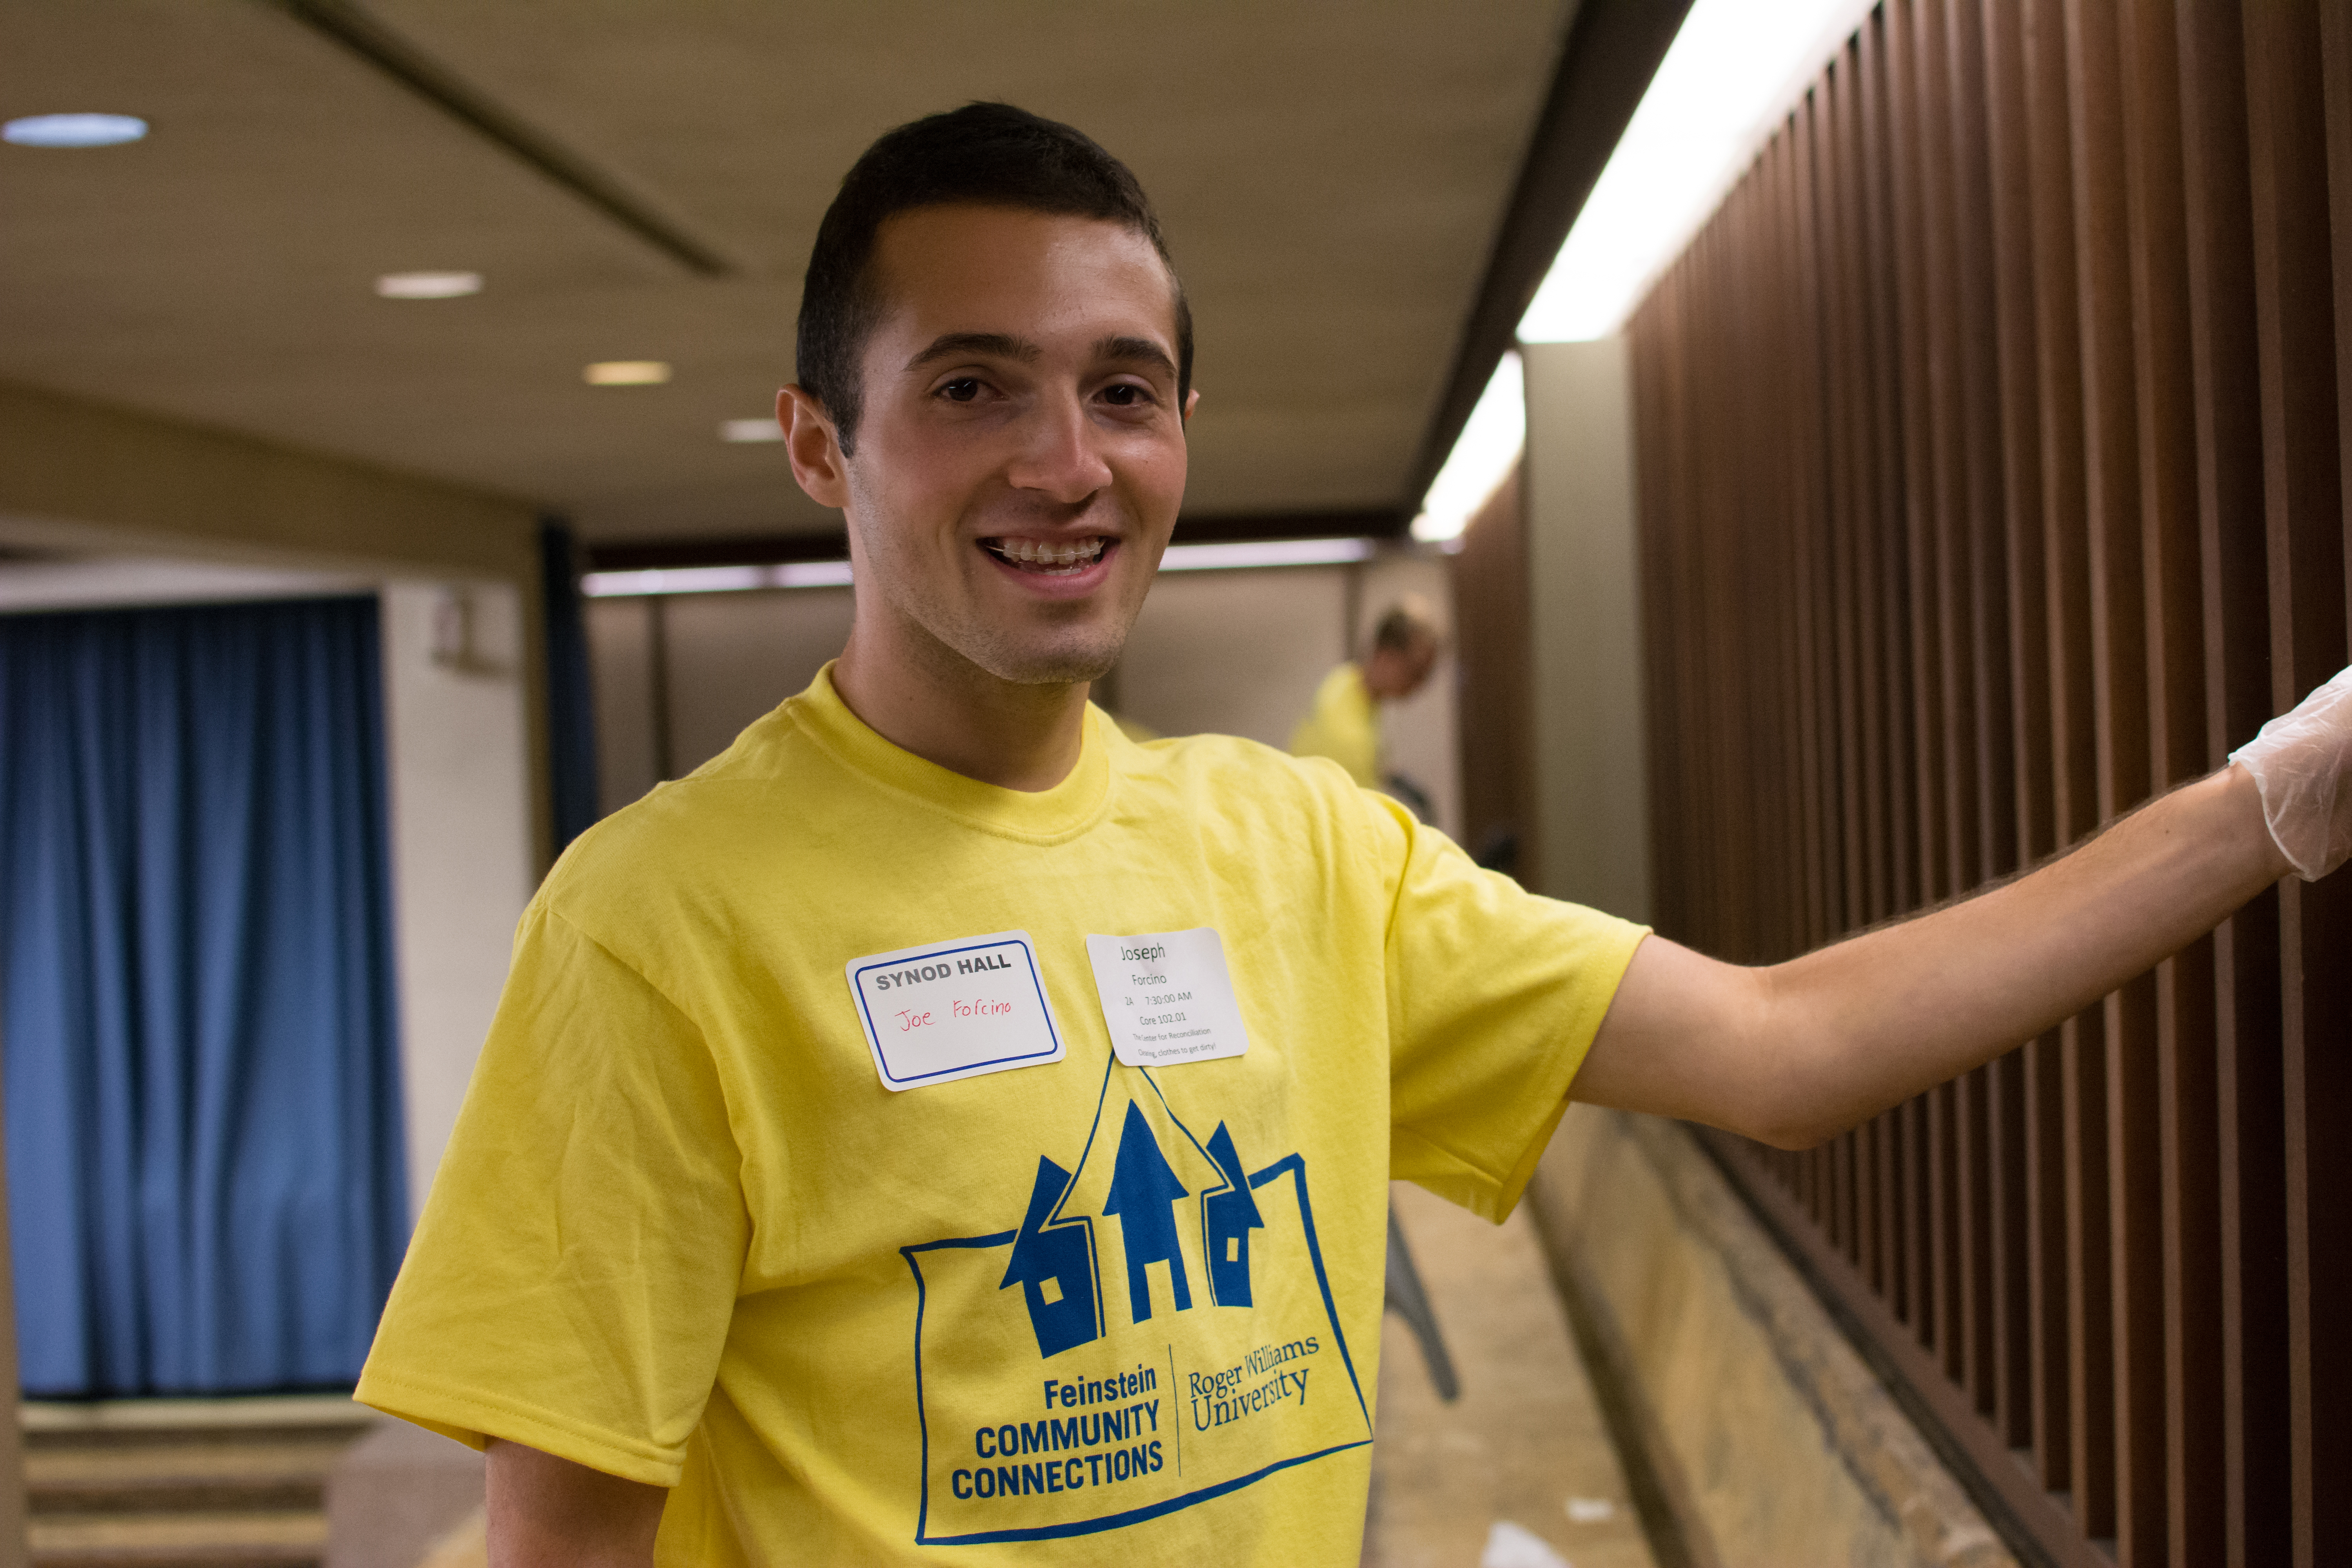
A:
684,1234
1344,725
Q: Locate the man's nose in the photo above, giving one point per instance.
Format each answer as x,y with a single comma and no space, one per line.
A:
1060,453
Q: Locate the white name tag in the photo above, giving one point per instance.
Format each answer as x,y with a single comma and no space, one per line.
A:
954,1009
1168,997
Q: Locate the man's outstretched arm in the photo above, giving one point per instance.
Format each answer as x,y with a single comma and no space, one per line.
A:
546,1512
1799,1051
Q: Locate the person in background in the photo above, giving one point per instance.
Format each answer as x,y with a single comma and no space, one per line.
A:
1345,722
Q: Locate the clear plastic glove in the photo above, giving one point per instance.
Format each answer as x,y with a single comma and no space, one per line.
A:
2302,762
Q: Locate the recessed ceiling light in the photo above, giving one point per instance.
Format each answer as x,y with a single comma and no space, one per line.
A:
760,429
73,129
627,373
429,284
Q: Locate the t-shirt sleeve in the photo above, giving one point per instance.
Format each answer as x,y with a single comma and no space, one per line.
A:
572,1279
1495,994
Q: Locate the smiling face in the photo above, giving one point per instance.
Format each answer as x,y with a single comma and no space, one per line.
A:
1020,456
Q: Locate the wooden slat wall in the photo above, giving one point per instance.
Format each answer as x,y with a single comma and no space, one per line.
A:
1496,721
1993,474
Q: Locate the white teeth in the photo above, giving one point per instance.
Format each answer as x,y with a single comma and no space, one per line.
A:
1049,556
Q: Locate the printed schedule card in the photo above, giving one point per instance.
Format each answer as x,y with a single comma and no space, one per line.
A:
1167,997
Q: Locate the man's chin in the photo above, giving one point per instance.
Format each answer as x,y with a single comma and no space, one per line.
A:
1034,659
1059,668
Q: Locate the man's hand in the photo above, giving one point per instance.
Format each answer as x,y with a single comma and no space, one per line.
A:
2302,764
546,1512
1799,1052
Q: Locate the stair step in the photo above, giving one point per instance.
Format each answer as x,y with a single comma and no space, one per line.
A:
213,1540
182,1497
185,1474
183,1484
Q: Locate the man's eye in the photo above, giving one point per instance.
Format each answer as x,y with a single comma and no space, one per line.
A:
1124,395
962,389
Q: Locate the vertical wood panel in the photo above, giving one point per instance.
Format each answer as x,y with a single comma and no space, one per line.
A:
1809,554
1491,653
2250,1189
1922,259
2067,589
1984,844
2326,1096
2302,492
1843,443
1894,753
2113,377
2183,1231
2120,714
1992,464
2030,1263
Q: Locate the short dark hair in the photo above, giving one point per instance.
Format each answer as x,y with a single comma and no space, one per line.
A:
990,154
1404,624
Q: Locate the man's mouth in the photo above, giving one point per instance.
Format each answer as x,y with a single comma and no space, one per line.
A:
1048,557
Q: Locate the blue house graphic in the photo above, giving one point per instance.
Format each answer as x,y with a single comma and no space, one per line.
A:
1054,1266
1054,1260
1144,1192
1227,1218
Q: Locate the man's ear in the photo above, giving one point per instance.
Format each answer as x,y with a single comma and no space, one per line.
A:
813,446
1191,401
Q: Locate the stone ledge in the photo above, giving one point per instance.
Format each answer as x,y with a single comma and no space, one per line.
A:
1773,1440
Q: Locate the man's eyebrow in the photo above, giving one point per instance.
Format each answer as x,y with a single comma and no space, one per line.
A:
1134,349
987,345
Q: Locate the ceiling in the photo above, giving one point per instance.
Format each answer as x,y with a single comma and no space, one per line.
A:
1332,178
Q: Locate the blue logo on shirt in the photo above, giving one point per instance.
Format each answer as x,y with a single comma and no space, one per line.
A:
1220,1362
1144,1193
1054,1266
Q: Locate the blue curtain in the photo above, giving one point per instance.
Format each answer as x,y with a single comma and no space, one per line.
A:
571,704
204,1140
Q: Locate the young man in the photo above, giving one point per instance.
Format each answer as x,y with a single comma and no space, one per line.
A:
942,1130
1344,724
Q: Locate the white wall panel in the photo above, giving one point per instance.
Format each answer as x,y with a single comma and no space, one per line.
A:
462,854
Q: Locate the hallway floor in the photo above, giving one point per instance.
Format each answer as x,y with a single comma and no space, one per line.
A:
1519,1472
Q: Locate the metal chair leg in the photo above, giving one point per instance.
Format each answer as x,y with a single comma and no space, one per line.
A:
1408,1301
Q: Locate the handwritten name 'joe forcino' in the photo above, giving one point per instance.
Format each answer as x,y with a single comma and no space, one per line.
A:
978,1008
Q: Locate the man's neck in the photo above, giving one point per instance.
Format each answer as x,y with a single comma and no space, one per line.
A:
932,701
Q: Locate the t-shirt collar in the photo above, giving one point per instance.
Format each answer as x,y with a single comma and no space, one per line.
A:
1063,811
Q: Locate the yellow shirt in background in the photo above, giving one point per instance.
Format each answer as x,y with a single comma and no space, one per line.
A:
1059,1313
1344,725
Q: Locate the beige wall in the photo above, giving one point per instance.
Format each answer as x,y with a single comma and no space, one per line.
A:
1232,652
726,658
621,682
1584,628
733,656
